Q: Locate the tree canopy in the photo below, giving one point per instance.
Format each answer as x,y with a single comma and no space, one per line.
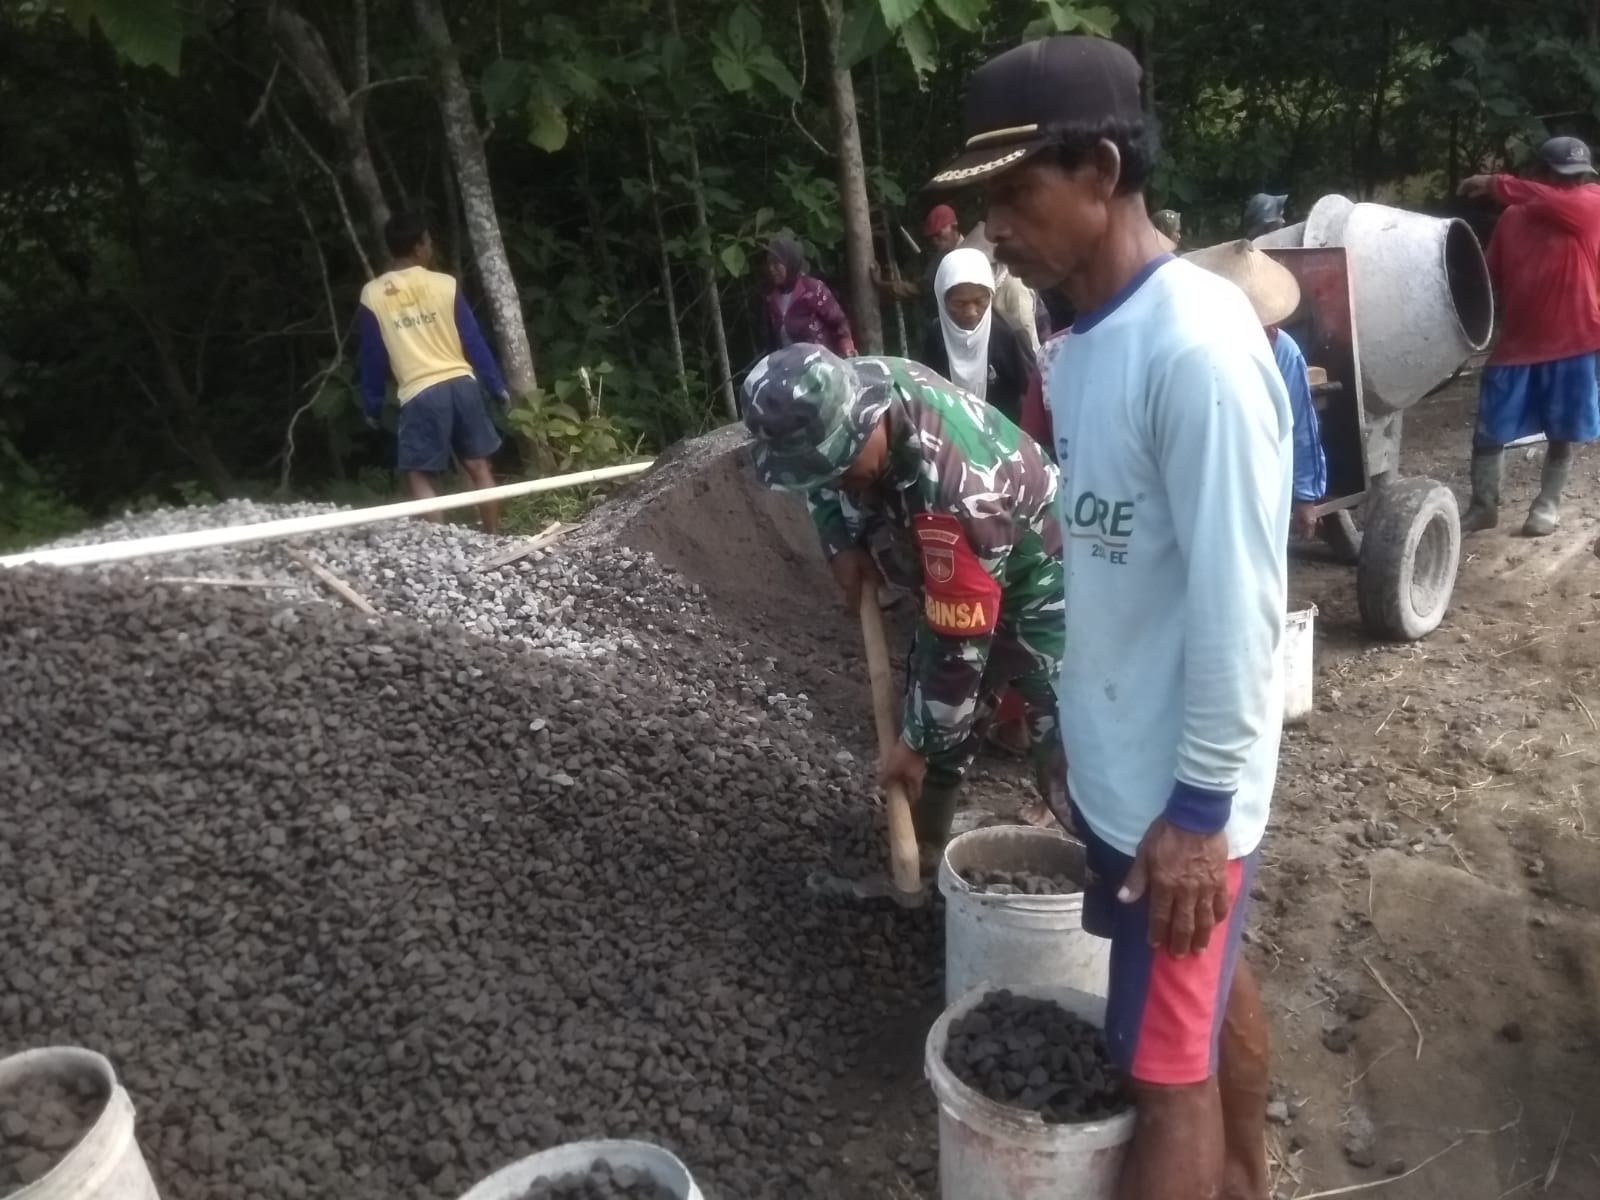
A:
192,193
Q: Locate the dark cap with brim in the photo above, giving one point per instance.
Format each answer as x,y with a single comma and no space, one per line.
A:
1021,101
1567,156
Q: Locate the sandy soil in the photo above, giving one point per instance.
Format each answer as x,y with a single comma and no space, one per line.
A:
1427,919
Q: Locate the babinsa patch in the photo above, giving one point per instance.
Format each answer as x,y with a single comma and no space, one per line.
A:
959,597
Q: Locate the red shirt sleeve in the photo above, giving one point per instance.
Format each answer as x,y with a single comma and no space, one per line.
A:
1571,209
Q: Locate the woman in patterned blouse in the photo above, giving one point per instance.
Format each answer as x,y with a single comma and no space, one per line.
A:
800,307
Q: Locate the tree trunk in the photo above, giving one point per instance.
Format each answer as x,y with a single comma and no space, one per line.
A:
890,258
465,141
605,259
708,262
667,293
1144,50
1380,91
719,332
866,319
344,109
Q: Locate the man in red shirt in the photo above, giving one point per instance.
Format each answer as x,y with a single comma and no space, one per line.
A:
1544,261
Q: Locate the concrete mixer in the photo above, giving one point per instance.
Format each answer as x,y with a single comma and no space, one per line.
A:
1393,303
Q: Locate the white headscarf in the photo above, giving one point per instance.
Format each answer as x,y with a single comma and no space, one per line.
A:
968,350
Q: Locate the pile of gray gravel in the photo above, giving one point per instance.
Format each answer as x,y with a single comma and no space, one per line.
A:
368,907
591,600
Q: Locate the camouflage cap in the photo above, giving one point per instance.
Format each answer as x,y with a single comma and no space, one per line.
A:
811,414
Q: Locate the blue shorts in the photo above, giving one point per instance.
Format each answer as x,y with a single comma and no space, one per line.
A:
1559,399
1163,1014
452,414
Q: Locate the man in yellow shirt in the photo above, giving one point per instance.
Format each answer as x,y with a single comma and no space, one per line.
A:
415,324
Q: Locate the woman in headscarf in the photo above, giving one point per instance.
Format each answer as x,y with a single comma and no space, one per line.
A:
970,344
800,308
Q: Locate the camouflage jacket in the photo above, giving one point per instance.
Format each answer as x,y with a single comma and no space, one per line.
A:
970,501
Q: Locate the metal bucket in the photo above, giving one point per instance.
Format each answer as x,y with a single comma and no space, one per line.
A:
1420,291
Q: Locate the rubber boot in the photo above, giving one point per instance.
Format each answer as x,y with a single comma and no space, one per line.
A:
1484,511
1545,514
933,814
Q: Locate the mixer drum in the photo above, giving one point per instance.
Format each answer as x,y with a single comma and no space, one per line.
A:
1420,291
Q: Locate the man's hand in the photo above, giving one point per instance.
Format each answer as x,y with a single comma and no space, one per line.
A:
1186,875
903,766
853,569
1475,185
1303,520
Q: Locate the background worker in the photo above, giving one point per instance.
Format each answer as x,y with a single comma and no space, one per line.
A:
799,306
1173,434
1169,224
1274,293
1263,213
1014,300
910,480
971,344
414,322
1544,262
943,231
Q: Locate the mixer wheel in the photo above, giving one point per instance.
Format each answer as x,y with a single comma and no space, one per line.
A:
1410,548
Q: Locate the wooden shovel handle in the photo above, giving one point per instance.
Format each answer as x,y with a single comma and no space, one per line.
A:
904,862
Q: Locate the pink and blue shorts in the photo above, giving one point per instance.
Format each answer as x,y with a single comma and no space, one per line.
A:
1163,1014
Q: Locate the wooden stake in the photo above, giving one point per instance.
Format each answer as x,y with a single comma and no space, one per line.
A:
196,581
345,592
904,859
521,550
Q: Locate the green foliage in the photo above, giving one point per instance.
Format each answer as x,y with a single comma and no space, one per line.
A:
557,435
32,508
1067,16
166,235
741,56
148,33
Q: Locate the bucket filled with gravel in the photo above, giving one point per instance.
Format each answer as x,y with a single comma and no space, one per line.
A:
66,1129
595,1170
1014,912
1030,1105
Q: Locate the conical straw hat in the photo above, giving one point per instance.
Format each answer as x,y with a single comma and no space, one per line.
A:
1270,286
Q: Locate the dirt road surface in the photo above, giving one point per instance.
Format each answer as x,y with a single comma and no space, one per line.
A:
1427,918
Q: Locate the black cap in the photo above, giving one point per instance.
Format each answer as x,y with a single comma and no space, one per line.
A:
1566,156
1021,101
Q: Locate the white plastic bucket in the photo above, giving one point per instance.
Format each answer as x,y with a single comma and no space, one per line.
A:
1298,628
106,1163
989,1151
1017,940
574,1158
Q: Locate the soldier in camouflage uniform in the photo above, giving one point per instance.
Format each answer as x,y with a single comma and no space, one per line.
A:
913,480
